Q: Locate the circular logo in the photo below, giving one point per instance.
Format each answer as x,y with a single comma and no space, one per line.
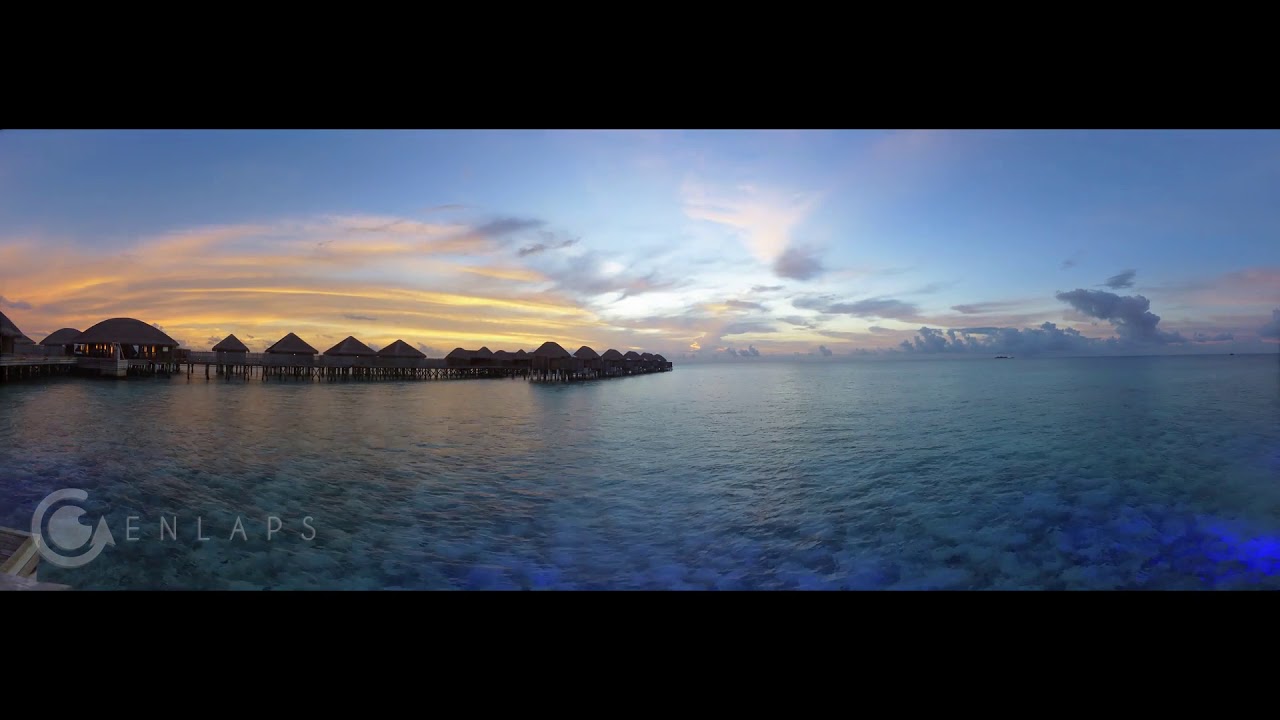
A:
66,532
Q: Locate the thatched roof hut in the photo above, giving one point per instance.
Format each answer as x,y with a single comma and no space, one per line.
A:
401,349
552,351
231,344
586,353
611,355
457,357
483,352
646,356
632,355
521,354
65,336
126,331
350,347
291,345
660,359
7,328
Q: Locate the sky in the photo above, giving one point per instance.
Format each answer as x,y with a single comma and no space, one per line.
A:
700,245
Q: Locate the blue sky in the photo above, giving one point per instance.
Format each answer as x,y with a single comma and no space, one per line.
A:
696,243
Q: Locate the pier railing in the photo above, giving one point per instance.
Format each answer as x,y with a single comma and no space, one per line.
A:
312,361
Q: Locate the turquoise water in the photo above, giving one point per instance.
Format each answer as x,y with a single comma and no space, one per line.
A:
1080,473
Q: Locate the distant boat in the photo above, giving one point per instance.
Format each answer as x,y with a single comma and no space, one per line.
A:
1004,357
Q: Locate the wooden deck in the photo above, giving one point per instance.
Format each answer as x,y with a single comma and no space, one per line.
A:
19,558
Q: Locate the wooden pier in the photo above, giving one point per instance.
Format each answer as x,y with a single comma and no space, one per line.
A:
263,366
19,558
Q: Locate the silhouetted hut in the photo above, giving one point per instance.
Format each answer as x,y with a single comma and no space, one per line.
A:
9,334
551,359
126,338
502,358
401,354
631,362
64,338
291,350
662,362
646,361
351,350
483,357
231,351
588,360
522,360
612,361
458,358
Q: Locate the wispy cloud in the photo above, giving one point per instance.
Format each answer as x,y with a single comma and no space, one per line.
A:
764,219
14,304
1121,280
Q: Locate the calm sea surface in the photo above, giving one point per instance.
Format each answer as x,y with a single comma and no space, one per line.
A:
975,474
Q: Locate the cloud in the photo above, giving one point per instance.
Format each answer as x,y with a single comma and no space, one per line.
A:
878,307
1130,315
985,307
763,218
842,334
742,328
444,208
751,351
1123,280
798,264
797,321
1271,330
930,288
765,288
550,242
744,305
15,304
822,349
363,318
879,330
507,226
1048,338
430,351
590,274
1072,261
1220,337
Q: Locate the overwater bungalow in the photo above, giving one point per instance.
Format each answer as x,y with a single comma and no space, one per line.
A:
483,358
291,350
522,359
64,339
127,339
8,334
458,358
631,362
502,358
550,359
351,351
646,362
400,353
612,362
662,363
231,351
588,360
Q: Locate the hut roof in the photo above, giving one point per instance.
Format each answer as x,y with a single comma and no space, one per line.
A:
291,345
350,347
400,348
521,353
231,343
65,336
612,354
551,350
459,353
586,353
7,328
483,352
126,331
659,358
23,340
646,356
632,355
501,354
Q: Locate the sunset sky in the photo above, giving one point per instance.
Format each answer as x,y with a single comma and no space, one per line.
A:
695,243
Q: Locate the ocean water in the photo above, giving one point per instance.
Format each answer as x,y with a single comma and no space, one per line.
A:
1084,473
